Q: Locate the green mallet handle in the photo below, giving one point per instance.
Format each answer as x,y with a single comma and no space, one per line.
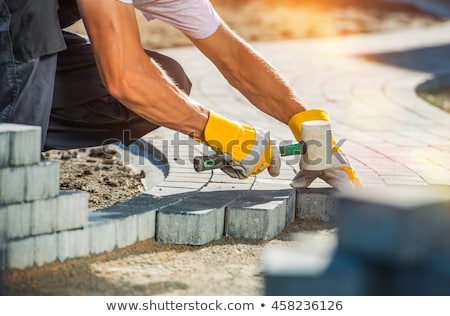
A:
202,163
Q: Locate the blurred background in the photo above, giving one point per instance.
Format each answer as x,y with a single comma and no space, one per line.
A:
266,20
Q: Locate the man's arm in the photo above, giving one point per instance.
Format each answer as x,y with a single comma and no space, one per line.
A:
252,75
130,75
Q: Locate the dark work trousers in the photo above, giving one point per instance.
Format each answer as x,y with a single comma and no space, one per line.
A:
84,113
26,87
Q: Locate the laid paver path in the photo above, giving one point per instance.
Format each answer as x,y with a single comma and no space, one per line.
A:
367,84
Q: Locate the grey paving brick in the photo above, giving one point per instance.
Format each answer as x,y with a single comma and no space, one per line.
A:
73,244
12,185
4,145
126,231
102,235
45,249
196,220
431,277
43,216
397,225
197,227
20,253
2,244
316,203
72,210
18,220
133,219
146,225
316,269
25,144
259,214
41,181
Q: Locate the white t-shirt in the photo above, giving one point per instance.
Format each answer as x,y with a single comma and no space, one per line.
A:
195,18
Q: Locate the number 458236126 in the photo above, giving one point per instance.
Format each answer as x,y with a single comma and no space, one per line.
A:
307,305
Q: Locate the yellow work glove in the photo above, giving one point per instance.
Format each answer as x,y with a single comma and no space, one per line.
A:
341,175
248,149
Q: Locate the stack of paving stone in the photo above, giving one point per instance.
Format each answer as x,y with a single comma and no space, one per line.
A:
394,241
40,224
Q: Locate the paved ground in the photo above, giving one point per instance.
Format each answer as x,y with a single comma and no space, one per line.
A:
367,84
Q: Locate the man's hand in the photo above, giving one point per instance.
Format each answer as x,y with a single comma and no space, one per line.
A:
341,175
249,149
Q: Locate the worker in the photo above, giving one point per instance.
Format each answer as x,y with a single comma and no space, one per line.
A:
109,85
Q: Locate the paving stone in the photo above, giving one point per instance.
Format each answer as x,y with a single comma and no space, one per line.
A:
196,220
2,244
18,220
73,244
43,216
195,227
316,203
25,144
45,249
72,210
20,253
259,214
4,145
398,225
146,225
122,224
126,231
12,185
41,181
429,278
316,269
102,234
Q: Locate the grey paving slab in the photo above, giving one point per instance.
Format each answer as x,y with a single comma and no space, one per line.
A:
73,244
18,220
72,210
316,203
260,214
4,144
2,241
429,278
41,180
102,235
399,225
24,145
198,227
146,225
43,216
126,231
45,249
20,253
196,220
12,185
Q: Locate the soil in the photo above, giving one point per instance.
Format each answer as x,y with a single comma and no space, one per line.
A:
99,172
226,266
